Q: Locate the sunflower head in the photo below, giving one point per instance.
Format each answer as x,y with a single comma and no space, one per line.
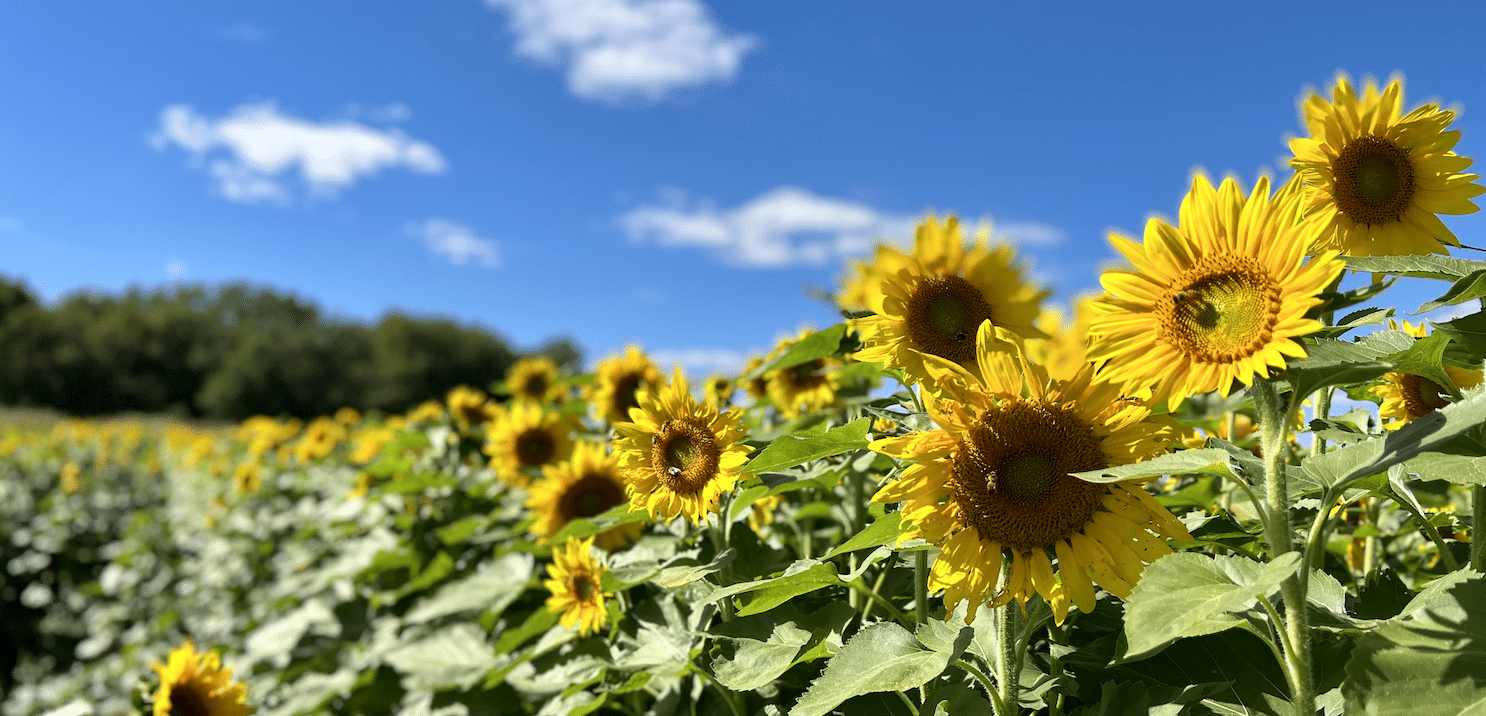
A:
678,456
719,391
1376,178
937,297
1217,299
193,684
536,379
1407,397
470,407
617,383
525,436
577,587
585,485
993,482
804,387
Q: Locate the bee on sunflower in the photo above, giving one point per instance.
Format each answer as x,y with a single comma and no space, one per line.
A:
577,587
993,483
678,456
1407,397
1377,179
617,383
193,684
587,484
1218,299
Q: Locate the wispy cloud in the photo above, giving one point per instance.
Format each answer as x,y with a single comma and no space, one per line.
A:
615,50
176,269
255,152
456,242
701,363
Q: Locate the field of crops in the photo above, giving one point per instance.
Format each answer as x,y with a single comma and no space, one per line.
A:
1226,486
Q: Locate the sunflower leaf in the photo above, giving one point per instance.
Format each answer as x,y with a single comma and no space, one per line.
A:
1423,434
820,344
456,656
581,527
1204,461
788,450
1467,288
1469,332
886,529
1332,301
880,657
1437,267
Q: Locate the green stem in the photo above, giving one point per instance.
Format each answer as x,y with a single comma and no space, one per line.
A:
1007,678
876,598
877,587
921,586
1279,533
1478,518
727,694
1279,630
912,707
1315,541
1323,411
985,683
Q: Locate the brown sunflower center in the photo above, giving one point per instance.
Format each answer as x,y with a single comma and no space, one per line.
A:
1010,474
582,586
626,396
535,446
593,494
943,314
186,701
536,387
806,375
1374,180
685,456
1222,310
1422,396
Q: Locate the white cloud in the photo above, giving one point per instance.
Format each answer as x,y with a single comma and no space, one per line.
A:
456,242
701,363
255,151
1029,233
625,49
176,269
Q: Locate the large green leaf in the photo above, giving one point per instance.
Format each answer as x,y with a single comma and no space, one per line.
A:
1431,660
581,527
1186,594
886,529
458,655
492,588
788,450
1371,457
880,657
1416,266
820,344
1467,288
1468,332
1459,469
1204,461
757,663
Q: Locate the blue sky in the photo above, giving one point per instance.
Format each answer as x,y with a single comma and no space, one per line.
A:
668,172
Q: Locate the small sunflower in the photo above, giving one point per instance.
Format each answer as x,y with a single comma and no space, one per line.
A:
1407,397
618,380
1218,299
193,684
993,482
577,587
319,439
719,390
763,511
933,304
679,457
470,407
587,484
536,379
1377,180
524,435
802,388
758,387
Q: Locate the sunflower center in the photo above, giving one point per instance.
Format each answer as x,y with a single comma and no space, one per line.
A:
944,313
1225,310
808,374
583,587
593,494
185,701
535,446
684,455
536,387
625,394
1374,180
1010,478
1422,396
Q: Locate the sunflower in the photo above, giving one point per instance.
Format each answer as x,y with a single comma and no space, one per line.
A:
1065,351
993,482
470,407
679,457
1407,397
584,485
319,439
719,390
757,387
193,684
577,587
856,292
1218,299
1377,180
535,379
804,387
618,380
524,435
942,292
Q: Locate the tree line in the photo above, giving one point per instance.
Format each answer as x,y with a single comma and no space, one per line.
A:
231,352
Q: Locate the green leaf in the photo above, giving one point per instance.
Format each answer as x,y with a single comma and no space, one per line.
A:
1468,332
684,570
880,657
490,589
784,588
581,527
1204,461
461,530
458,655
1459,469
1467,288
1430,660
1423,434
1424,358
1187,594
756,663
1332,301
788,451
820,344
434,572
886,529
1437,267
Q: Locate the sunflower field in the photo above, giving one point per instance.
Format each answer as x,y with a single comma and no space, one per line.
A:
1226,485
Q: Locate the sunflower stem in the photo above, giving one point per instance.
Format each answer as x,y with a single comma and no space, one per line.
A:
985,683
1478,518
1274,423
1006,672
921,586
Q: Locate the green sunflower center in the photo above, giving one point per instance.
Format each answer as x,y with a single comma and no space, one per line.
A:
943,314
593,494
185,701
1010,474
1224,310
684,455
1422,396
535,446
1373,180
